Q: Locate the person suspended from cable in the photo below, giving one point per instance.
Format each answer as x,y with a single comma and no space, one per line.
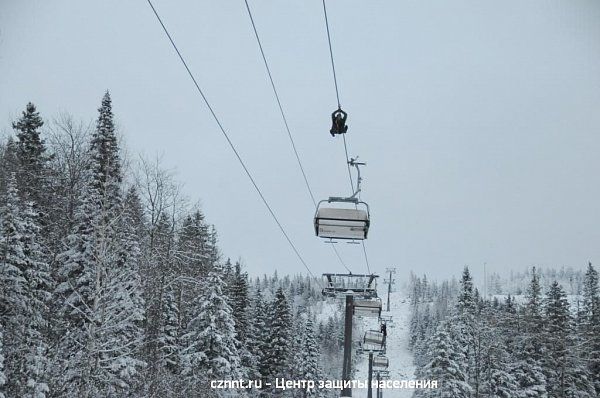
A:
338,122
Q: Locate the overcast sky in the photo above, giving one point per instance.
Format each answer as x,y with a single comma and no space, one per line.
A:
479,121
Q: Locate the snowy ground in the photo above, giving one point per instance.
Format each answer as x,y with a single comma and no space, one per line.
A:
401,359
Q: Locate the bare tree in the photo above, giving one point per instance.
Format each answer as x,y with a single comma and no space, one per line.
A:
68,141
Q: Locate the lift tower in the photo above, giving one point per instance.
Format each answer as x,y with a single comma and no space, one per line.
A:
360,293
390,282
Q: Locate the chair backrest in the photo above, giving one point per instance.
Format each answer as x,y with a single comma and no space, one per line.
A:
373,337
338,223
381,362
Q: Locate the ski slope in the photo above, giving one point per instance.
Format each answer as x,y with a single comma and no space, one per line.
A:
401,359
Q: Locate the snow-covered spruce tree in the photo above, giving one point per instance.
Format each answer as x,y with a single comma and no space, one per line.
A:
125,301
565,374
31,156
466,328
277,353
556,332
306,358
13,304
591,325
260,334
93,271
425,327
209,346
73,298
446,366
296,367
163,330
527,367
194,245
36,180
25,284
170,333
466,299
533,306
496,378
240,304
192,260
38,285
2,374
528,372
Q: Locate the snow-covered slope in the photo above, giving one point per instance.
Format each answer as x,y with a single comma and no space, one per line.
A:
401,359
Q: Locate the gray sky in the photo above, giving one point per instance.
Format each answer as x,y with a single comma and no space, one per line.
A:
479,120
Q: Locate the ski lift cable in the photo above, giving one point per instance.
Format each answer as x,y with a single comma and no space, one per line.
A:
348,164
335,250
337,93
366,257
285,122
239,158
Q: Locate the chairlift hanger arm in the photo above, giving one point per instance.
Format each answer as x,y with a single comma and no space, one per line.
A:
353,162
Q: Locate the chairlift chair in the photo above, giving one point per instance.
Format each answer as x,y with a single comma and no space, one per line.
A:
373,337
384,374
381,361
340,222
358,285
367,307
345,218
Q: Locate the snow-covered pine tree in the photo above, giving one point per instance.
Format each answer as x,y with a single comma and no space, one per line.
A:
209,346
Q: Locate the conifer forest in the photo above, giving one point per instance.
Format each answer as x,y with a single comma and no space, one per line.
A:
299,199
113,285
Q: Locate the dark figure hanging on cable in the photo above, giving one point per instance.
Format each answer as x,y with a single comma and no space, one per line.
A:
384,331
338,122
